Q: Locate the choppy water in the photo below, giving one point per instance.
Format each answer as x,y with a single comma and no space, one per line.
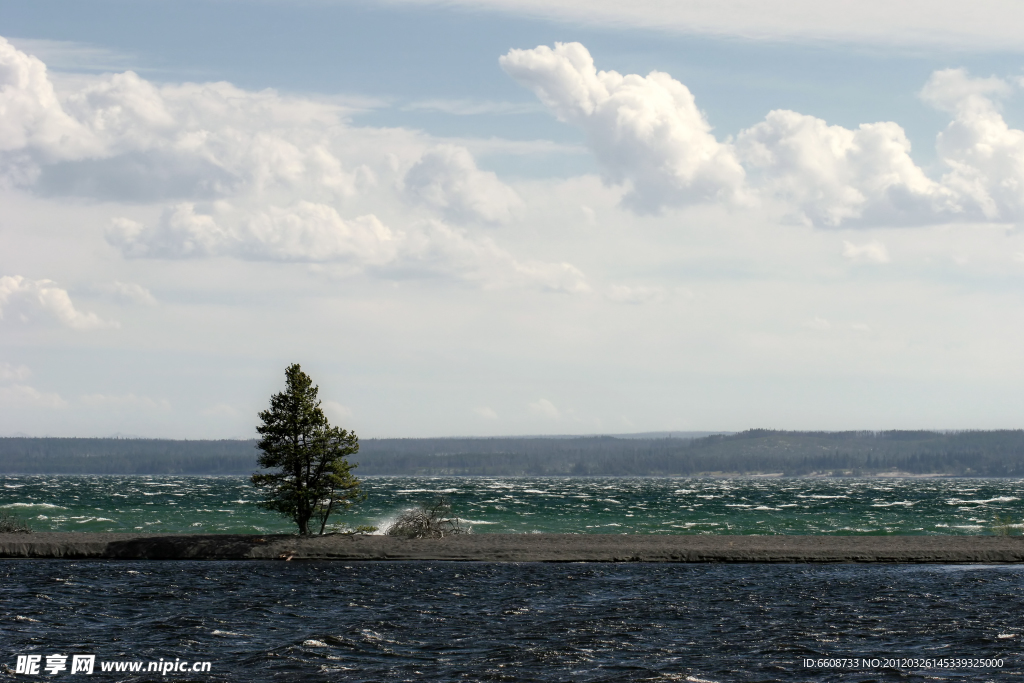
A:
435,621
540,504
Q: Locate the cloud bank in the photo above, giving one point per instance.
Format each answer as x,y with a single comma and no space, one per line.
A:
255,176
649,137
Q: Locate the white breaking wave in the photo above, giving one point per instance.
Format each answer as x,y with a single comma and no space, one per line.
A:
48,506
997,499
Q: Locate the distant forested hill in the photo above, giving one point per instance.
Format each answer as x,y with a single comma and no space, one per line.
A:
757,451
125,456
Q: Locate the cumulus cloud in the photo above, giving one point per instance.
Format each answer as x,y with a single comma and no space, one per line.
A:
31,116
871,252
124,138
120,137
336,411
14,393
833,174
25,300
20,395
985,156
646,132
648,135
447,179
305,232
486,413
544,408
315,233
253,175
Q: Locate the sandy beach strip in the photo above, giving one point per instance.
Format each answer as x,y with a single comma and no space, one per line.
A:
518,548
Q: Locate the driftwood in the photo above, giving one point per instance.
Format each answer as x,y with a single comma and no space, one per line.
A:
427,521
12,524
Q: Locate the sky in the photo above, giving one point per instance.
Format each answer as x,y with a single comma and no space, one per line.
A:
511,218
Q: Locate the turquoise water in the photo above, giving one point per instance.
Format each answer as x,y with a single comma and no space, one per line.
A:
540,504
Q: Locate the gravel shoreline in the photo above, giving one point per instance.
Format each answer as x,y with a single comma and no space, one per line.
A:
518,548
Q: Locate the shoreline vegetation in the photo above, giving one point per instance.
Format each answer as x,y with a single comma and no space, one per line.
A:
519,548
756,452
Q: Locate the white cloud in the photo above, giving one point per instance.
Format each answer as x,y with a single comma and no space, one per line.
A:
19,396
646,132
337,412
447,179
32,118
486,413
23,299
985,156
316,233
833,174
649,136
982,25
127,292
121,137
305,232
14,373
544,408
256,176
871,252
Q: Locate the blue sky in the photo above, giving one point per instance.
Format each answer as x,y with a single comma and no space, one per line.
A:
461,219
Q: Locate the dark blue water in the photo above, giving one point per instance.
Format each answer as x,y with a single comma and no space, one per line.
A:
435,621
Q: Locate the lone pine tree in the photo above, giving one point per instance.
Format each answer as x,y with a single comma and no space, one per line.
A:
310,477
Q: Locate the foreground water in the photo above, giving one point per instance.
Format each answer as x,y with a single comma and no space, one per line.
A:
539,504
433,621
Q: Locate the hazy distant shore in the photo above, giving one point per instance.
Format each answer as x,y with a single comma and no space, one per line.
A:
756,452
519,548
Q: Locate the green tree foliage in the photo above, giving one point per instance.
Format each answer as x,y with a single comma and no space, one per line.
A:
310,477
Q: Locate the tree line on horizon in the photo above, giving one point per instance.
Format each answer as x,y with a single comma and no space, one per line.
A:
757,451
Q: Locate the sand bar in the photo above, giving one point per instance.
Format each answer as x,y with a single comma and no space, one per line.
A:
518,548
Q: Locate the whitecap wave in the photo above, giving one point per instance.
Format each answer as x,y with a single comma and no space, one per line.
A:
983,501
47,506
